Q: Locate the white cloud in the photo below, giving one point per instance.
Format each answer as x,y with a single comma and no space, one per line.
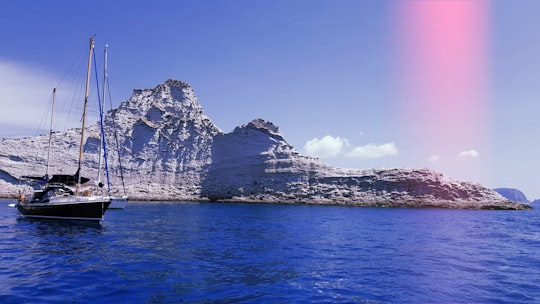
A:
434,158
24,93
327,146
374,151
26,96
468,154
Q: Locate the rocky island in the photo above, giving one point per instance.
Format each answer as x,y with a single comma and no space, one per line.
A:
170,150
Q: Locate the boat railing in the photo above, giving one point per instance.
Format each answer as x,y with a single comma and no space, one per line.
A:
55,185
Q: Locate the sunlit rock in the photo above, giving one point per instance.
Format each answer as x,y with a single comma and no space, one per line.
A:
170,150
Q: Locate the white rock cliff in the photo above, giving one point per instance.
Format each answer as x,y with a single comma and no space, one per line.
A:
170,150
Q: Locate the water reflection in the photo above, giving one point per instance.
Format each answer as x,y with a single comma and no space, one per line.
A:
58,237
60,224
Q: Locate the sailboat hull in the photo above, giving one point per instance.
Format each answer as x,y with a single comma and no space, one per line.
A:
82,208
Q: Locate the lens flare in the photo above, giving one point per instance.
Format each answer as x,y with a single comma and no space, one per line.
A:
442,50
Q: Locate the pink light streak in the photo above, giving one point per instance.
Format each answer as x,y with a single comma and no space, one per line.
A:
442,51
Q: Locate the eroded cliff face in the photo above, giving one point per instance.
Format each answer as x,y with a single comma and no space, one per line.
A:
165,141
170,150
255,163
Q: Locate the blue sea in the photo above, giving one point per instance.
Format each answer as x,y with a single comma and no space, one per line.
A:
175,252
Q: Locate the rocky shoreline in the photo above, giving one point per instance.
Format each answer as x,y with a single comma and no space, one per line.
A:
170,150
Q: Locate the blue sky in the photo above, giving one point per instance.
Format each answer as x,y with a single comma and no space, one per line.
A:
325,72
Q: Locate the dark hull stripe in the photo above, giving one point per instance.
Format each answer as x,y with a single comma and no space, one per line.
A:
64,218
82,211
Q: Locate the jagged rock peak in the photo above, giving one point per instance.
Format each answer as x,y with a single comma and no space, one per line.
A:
261,125
172,102
166,96
176,86
169,83
177,83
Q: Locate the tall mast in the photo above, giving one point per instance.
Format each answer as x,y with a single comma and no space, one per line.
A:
103,143
50,134
101,137
84,109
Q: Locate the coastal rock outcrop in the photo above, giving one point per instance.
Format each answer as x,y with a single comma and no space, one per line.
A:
170,150
513,194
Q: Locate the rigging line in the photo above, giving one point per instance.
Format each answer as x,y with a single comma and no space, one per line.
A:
73,63
115,133
50,134
103,141
46,115
73,79
72,97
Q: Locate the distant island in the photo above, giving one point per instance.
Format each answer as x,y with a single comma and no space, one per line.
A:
170,150
515,195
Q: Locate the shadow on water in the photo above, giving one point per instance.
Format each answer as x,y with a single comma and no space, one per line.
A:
57,242
61,227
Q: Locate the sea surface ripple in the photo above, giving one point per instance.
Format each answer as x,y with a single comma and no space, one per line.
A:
174,252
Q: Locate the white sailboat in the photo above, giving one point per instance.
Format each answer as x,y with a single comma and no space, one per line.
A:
67,196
